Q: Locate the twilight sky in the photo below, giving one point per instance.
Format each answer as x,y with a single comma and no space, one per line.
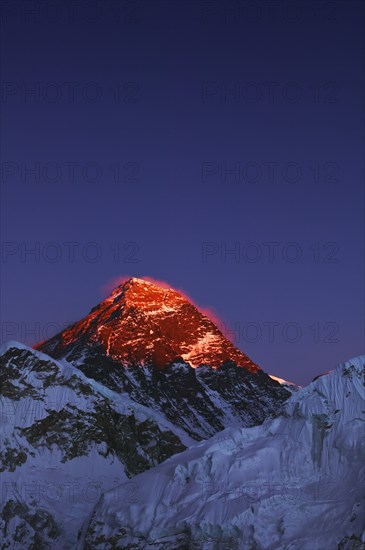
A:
214,145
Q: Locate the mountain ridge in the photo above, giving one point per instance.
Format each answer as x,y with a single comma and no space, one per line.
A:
295,482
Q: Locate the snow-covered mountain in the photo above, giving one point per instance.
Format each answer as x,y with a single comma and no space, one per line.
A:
64,439
99,439
153,344
290,386
293,483
130,387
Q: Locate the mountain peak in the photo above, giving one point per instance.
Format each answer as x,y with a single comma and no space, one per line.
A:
139,282
145,285
146,295
146,282
141,322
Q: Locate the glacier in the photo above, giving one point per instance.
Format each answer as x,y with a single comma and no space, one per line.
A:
83,466
295,482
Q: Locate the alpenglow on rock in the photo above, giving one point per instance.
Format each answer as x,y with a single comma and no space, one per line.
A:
154,345
141,323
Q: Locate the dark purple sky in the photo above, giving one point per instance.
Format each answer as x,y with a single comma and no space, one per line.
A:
133,115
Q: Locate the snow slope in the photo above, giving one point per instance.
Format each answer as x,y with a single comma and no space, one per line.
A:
65,439
290,386
293,483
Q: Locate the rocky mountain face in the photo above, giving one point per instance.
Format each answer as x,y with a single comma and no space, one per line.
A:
141,323
154,345
64,439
